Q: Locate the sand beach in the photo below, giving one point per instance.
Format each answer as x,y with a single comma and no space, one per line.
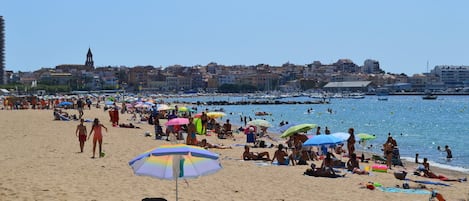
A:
40,160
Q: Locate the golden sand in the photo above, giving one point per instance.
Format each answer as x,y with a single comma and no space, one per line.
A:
40,160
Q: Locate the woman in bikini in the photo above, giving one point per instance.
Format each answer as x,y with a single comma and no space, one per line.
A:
247,155
98,136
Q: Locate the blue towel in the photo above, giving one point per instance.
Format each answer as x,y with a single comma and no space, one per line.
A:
401,190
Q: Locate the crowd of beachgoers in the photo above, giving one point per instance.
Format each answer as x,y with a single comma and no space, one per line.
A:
257,143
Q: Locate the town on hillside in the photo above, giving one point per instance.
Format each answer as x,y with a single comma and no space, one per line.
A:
316,76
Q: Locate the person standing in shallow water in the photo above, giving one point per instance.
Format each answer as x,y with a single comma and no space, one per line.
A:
81,134
351,142
449,154
98,136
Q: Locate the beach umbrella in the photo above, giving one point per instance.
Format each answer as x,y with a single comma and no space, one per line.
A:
259,122
215,115
344,135
128,105
319,140
171,162
65,103
177,121
149,103
162,107
141,105
286,127
297,129
108,102
365,136
185,109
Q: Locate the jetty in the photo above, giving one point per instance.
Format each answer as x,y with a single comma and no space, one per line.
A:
254,102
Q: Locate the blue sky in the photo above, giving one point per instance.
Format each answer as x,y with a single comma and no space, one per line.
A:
402,35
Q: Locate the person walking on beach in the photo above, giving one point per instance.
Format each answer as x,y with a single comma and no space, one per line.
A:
351,142
81,134
98,136
80,105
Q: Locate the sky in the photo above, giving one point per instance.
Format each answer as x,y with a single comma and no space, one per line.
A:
402,35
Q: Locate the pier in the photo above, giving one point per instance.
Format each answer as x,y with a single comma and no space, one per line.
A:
255,102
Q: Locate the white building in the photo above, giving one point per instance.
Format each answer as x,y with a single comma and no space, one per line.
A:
452,76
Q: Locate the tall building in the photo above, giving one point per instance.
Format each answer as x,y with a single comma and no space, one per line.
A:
2,51
89,59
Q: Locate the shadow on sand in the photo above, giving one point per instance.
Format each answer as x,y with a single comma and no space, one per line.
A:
154,199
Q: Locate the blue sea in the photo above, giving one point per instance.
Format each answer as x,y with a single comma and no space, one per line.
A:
419,126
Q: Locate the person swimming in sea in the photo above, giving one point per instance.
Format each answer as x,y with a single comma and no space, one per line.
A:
449,153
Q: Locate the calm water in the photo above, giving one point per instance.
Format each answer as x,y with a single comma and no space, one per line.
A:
419,126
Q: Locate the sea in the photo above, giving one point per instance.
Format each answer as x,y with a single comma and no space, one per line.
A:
418,126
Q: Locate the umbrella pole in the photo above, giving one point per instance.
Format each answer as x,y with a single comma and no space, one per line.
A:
176,188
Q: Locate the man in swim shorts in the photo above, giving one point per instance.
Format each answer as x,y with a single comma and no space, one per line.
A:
81,134
281,156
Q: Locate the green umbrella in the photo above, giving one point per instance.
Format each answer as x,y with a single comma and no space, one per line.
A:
365,136
297,129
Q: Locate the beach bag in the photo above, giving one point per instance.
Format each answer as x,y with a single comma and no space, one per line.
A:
262,144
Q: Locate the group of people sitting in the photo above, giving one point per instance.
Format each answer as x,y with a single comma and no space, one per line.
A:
223,132
64,116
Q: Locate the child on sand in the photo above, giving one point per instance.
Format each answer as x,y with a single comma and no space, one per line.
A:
98,136
81,134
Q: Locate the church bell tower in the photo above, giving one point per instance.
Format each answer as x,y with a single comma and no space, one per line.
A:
89,58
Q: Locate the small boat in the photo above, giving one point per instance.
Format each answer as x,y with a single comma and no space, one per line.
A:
262,113
382,98
429,97
356,96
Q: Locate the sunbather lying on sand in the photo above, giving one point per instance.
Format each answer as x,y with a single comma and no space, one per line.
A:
247,155
207,145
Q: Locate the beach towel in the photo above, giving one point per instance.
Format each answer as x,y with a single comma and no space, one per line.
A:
429,182
64,118
401,190
262,163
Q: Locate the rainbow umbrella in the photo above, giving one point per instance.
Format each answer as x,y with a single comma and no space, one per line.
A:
176,161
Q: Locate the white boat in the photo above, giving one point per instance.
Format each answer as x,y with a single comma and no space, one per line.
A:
356,95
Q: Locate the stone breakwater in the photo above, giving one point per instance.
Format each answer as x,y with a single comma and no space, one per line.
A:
253,102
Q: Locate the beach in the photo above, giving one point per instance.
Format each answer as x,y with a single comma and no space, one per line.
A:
40,160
